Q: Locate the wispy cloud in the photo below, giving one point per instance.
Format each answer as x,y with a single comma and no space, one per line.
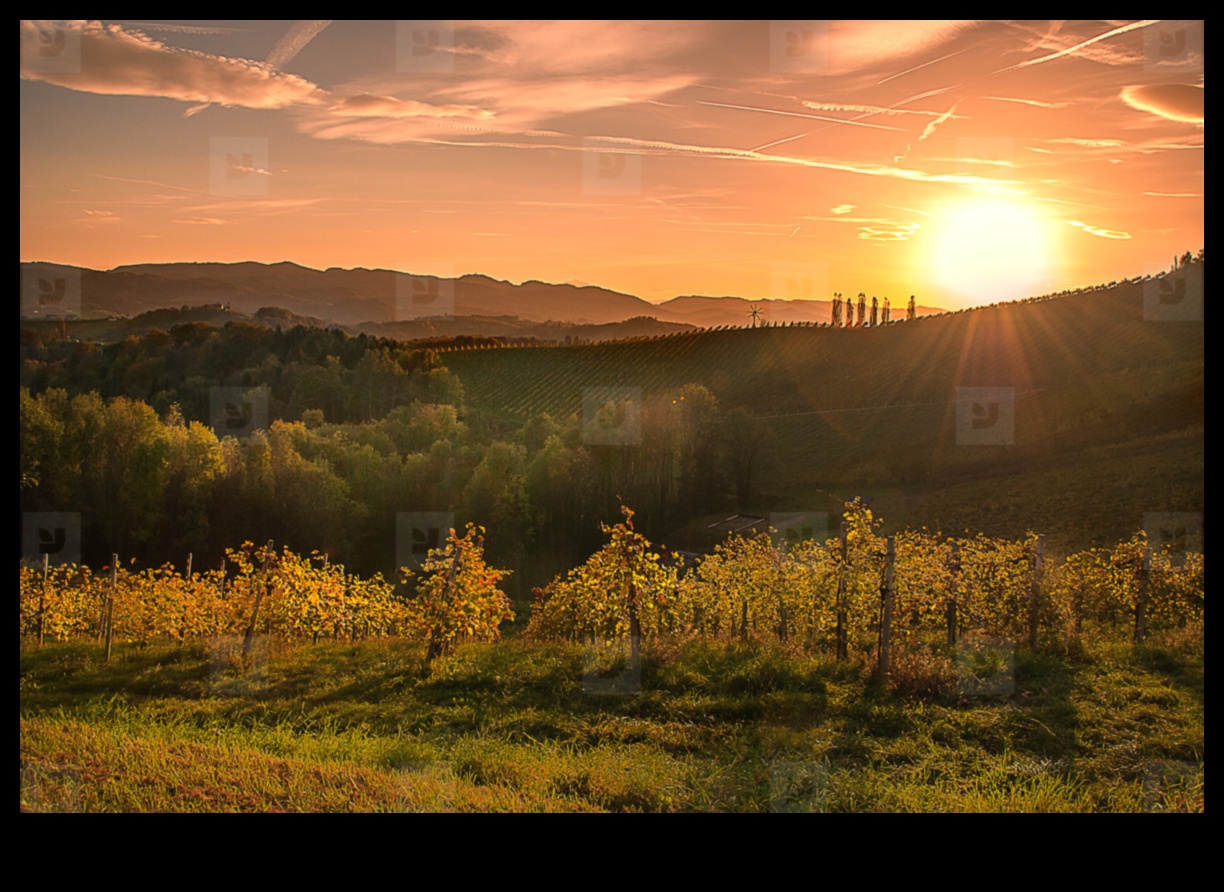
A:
868,109
918,67
855,46
1098,231
1177,102
1038,103
181,29
778,142
295,40
1078,48
1104,143
365,105
910,210
888,232
789,114
118,62
842,209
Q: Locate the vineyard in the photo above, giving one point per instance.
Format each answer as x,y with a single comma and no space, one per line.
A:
831,596
259,591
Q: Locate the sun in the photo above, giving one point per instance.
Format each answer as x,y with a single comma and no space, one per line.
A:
990,249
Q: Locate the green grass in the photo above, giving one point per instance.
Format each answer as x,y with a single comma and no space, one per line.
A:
511,727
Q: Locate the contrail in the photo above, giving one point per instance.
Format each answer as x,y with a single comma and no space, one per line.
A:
295,40
772,111
916,67
778,142
181,29
1079,46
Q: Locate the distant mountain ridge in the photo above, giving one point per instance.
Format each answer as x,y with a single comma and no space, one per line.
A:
377,297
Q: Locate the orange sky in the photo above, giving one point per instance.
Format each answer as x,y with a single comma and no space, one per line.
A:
963,161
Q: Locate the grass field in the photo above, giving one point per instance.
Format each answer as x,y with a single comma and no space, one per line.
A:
517,726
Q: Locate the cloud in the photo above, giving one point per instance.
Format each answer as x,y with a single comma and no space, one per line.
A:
1177,102
867,109
117,62
295,40
93,218
366,105
855,45
918,67
790,114
533,48
1097,231
181,29
888,232
1089,143
201,221
842,209
1081,48
1034,102
910,210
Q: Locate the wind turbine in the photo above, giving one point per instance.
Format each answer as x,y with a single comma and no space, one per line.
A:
755,313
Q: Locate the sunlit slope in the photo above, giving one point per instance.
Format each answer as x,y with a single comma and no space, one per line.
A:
1079,370
1088,408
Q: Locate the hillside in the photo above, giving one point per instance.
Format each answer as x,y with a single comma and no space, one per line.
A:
1101,409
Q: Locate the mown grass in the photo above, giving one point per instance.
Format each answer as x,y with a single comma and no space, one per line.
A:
517,726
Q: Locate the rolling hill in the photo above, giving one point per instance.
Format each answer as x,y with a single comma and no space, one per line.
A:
1082,412
372,298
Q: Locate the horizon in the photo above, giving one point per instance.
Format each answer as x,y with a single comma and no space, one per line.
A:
966,162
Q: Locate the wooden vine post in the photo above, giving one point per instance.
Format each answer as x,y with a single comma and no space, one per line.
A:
269,562
1145,576
110,603
954,568
42,596
887,596
1035,594
842,631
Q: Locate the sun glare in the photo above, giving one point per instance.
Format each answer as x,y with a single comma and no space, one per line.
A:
991,250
